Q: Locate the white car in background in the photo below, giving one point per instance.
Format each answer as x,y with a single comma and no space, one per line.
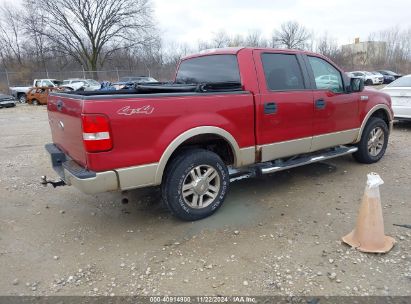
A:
368,77
84,84
400,92
327,81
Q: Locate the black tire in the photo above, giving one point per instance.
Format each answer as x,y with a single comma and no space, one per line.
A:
178,174
364,155
368,82
35,102
22,98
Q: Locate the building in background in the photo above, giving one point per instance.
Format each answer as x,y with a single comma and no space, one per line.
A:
364,53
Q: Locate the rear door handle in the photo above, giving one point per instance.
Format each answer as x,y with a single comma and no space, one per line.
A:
320,104
270,108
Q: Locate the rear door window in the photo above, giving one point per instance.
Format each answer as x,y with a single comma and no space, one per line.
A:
282,72
209,69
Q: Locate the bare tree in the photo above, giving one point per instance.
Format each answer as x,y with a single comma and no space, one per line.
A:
255,39
328,47
90,31
291,35
220,39
33,23
237,41
398,48
11,39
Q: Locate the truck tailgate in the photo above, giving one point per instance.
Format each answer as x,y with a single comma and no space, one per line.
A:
66,126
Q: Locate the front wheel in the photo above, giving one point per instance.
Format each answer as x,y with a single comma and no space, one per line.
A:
22,98
374,141
195,184
34,102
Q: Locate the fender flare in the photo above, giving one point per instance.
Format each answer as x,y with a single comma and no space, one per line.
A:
189,134
370,113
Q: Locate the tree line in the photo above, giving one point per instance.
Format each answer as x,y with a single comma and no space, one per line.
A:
44,36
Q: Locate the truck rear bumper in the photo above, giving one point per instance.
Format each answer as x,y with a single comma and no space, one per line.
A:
87,181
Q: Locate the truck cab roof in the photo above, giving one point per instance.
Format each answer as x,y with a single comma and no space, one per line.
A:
236,50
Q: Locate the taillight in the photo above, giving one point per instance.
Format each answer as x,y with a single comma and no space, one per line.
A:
96,133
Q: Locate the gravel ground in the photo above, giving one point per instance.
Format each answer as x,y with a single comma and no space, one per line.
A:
278,235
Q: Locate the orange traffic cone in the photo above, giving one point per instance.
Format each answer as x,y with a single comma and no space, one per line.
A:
368,234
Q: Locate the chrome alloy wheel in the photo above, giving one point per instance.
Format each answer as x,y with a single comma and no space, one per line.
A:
375,141
201,186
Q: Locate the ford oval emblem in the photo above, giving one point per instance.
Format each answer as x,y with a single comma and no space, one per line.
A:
59,105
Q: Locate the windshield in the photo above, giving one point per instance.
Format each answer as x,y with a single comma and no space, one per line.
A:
401,82
209,69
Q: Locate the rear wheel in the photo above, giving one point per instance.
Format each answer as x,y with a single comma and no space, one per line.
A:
195,184
35,102
374,141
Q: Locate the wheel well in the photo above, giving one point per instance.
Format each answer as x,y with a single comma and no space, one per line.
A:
381,113
211,142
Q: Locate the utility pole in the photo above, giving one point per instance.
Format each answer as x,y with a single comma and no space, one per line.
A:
7,77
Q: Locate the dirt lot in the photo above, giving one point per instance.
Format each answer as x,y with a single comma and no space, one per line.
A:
279,235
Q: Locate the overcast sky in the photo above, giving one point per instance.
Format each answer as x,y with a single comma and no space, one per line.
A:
185,21
189,21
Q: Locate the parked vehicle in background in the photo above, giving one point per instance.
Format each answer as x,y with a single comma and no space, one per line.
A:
230,114
368,77
327,80
390,73
387,78
38,96
128,83
400,92
20,92
139,79
82,84
7,101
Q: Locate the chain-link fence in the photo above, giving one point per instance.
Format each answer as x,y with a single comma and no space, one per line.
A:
25,78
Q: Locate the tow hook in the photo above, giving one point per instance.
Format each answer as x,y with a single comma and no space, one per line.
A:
44,182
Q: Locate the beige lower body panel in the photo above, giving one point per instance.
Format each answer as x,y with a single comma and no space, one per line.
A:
334,139
145,175
102,182
307,144
137,177
247,156
285,148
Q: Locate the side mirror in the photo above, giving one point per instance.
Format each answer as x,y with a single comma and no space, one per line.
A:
357,84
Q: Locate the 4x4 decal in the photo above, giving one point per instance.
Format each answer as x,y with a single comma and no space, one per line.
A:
128,110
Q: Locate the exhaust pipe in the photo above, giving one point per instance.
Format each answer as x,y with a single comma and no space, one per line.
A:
45,181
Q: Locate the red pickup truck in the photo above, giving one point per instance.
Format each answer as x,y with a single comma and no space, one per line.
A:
229,114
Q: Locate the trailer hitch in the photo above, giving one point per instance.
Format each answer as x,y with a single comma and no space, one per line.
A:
45,181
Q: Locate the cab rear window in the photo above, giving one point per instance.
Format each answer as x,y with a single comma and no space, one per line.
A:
282,72
209,69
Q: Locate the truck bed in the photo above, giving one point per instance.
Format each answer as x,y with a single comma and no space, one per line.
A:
158,88
144,121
